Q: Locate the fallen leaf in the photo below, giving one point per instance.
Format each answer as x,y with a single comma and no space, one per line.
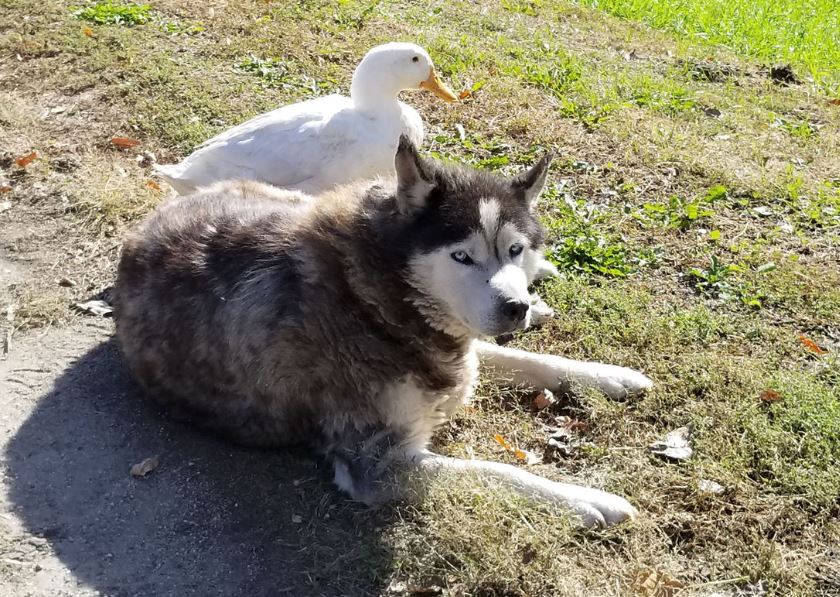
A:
124,142
576,425
95,307
706,486
87,31
543,400
834,102
675,446
153,185
466,93
526,456
502,441
811,345
141,469
652,583
563,438
769,395
24,160
4,188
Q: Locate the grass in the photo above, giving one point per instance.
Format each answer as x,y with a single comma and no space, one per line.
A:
806,34
693,210
111,13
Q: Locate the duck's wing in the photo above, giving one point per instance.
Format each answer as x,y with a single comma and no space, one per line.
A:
285,147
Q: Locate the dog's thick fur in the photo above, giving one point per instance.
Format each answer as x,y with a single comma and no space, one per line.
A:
350,323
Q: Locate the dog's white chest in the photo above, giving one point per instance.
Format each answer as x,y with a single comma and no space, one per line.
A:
419,411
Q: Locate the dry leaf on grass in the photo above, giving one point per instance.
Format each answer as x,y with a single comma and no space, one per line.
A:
124,142
4,188
834,101
141,469
543,400
652,583
811,345
502,441
563,439
87,31
95,307
675,446
24,160
769,396
154,186
465,94
525,456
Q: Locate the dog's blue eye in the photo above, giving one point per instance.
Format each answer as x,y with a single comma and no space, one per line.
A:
515,250
462,257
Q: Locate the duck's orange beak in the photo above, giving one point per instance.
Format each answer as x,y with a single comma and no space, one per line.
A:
438,87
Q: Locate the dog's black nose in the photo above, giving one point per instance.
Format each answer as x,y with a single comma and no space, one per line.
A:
515,310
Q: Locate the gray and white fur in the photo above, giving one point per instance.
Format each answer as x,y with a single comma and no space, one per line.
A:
352,324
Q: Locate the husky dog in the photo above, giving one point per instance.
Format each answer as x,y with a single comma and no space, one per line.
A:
350,324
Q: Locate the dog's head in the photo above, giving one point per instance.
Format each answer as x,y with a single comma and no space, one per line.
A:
475,242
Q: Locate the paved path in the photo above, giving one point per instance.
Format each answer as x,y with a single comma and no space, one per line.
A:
213,519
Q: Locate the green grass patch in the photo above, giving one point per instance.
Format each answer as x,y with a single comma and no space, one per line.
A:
790,31
273,72
112,13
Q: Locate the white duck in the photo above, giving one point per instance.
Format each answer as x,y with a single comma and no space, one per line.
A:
316,144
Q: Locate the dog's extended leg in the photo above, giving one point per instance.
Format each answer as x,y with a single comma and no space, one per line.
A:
593,506
522,368
374,475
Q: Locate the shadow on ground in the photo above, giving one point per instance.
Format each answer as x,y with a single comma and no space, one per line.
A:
213,519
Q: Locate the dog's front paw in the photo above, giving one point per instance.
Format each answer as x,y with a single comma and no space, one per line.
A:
540,311
618,382
545,269
596,508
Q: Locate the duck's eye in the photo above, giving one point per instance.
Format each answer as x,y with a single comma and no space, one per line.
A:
515,250
462,257
416,59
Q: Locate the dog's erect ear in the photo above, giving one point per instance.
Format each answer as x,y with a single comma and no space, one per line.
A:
414,181
530,184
